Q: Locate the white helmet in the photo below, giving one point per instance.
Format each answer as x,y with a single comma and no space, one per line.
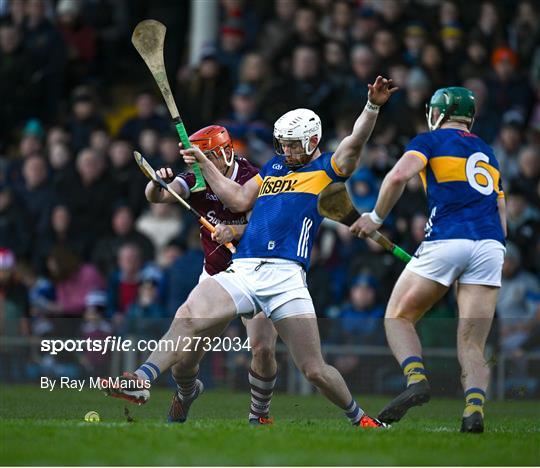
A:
298,124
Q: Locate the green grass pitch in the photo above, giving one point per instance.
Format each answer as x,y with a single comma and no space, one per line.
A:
48,428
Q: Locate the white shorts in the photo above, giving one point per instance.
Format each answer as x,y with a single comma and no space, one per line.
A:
468,261
273,285
204,275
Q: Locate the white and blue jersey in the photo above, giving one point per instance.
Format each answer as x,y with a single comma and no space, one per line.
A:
285,219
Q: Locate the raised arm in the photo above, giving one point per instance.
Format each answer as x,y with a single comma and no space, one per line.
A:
236,197
391,190
348,152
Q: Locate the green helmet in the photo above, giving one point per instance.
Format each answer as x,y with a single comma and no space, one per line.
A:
454,103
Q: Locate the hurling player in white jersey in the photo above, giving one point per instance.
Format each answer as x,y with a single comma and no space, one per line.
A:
268,271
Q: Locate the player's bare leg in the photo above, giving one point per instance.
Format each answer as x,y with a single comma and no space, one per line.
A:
476,305
301,336
206,312
263,368
412,296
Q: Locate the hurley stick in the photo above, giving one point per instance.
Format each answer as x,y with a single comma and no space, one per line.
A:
149,172
334,203
149,38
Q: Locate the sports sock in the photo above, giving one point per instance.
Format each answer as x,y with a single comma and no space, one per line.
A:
148,371
187,386
474,401
353,412
262,389
413,369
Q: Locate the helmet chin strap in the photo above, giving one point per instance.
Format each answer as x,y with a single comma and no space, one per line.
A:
230,160
438,122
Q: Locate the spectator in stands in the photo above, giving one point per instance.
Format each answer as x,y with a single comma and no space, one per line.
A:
336,65
37,195
448,12
432,63
254,71
146,317
276,32
363,188
80,40
16,92
148,145
123,232
49,55
73,280
168,153
100,140
203,93
183,274
14,232
306,87
363,68
508,89
128,180
60,232
386,49
508,144
452,36
95,327
528,175
84,120
523,222
61,163
485,121
161,223
361,320
489,28
414,40
147,117
338,23
90,195
516,309
245,125
232,44
14,317
364,25
123,283
524,30
477,63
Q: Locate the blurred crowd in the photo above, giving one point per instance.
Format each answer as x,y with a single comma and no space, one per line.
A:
83,253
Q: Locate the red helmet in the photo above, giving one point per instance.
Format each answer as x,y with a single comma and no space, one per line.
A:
216,140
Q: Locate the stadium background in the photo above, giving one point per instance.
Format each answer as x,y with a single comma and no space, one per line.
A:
93,258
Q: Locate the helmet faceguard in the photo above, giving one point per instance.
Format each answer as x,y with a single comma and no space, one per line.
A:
298,126
214,141
454,104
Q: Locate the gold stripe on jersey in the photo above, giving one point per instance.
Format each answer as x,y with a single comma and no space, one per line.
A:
258,179
452,169
299,182
337,170
418,154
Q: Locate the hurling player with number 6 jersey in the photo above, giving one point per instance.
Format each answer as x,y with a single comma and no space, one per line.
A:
464,244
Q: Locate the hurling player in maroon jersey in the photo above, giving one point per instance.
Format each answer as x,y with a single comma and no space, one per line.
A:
216,143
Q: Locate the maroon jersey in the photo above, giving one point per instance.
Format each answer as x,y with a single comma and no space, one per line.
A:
208,204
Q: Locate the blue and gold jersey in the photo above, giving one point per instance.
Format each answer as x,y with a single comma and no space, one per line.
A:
462,182
285,219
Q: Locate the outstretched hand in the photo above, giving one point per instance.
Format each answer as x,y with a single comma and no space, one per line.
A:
380,91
